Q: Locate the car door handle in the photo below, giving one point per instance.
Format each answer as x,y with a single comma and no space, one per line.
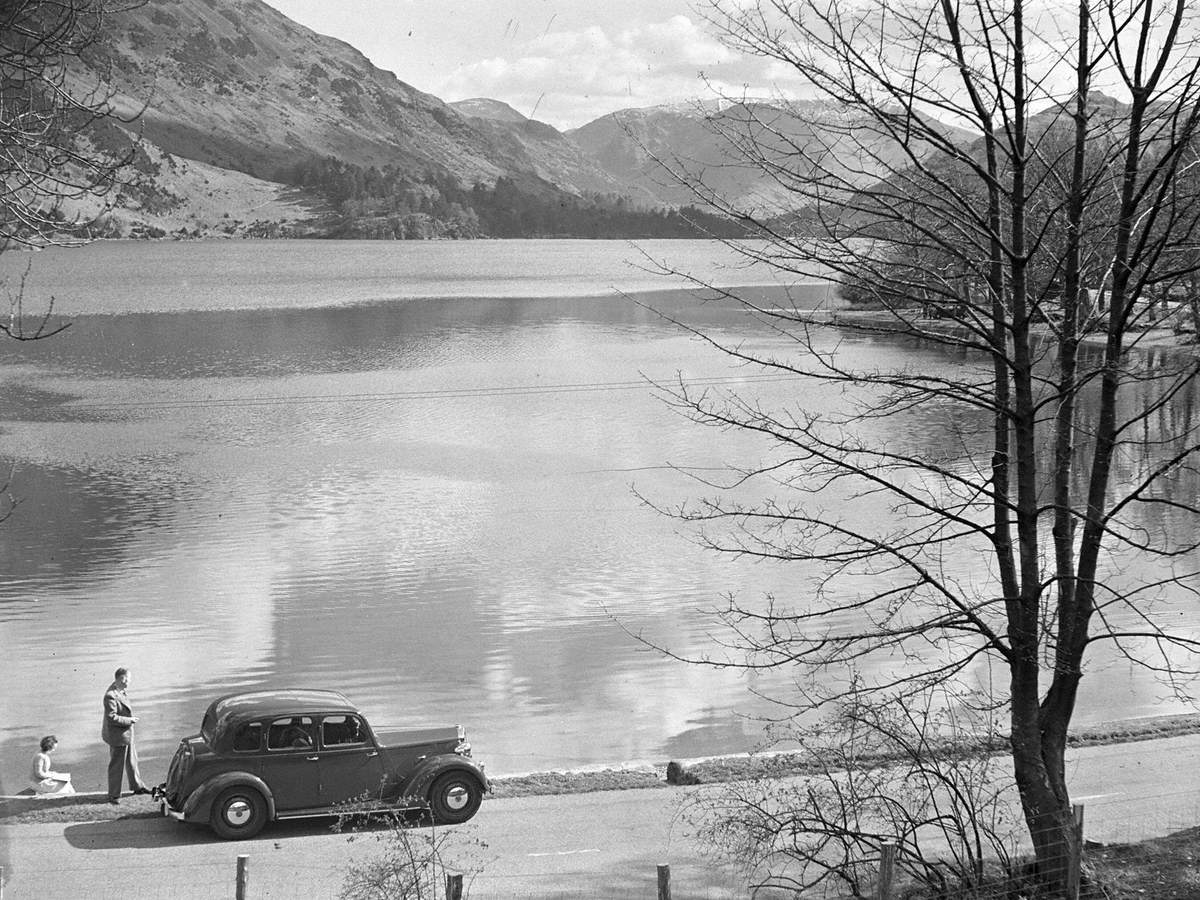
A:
312,758
373,753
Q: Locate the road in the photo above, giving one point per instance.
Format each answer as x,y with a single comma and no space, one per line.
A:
602,845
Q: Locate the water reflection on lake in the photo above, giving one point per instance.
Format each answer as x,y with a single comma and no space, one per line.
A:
424,501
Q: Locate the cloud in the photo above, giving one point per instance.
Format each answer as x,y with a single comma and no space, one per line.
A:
572,77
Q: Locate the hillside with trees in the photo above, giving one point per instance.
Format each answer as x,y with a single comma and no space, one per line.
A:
389,203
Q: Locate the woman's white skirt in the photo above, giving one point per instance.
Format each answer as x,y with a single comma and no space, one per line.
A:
51,787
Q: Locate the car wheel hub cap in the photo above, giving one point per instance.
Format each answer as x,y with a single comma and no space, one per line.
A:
457,797
238,813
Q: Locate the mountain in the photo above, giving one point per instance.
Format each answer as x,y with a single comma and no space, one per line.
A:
248,101
486,108
546,150
250,123
238,85
636,145
696,140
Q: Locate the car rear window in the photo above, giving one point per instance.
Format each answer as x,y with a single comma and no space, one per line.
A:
247,737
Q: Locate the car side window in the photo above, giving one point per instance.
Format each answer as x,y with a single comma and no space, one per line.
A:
292,733
248,737
342,731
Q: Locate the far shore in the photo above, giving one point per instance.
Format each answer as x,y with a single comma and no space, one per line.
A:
30,810
1160,337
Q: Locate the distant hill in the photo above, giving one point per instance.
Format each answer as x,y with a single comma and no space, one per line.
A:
549,153
643,146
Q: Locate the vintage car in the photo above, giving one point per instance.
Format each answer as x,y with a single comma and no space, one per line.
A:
285,754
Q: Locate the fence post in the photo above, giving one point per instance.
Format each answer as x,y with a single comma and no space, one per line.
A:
243,876
453,887
1075,861
887,871
664,882
1,882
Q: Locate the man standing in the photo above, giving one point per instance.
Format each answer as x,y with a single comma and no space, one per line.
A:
117,732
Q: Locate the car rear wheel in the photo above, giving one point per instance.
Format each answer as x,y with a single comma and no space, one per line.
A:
454,798
239,813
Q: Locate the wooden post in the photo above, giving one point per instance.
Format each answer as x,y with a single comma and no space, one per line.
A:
1,882
664,882
453,887
887,871
243,876
1075,860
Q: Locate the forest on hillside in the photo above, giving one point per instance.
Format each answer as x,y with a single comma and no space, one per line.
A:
389,203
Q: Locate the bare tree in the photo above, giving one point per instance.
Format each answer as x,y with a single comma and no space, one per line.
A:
998,179
920,776
56,141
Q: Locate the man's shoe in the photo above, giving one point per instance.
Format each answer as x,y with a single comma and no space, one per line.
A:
115,802
142,790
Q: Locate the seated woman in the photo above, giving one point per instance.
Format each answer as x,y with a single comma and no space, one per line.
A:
47,782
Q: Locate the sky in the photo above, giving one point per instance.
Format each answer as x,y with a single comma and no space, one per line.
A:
565,62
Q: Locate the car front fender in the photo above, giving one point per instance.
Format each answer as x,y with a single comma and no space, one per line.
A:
417,785
198,806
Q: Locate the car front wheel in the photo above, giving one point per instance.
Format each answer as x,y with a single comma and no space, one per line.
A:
454,798
239,813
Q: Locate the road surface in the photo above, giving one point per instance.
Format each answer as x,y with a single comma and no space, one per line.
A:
602,845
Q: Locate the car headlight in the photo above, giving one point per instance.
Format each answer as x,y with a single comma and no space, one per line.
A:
463,748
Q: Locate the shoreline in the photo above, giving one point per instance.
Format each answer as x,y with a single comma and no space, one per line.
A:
90,807
1157,336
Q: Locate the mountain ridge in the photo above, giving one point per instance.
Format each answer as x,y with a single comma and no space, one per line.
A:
238,101
238,87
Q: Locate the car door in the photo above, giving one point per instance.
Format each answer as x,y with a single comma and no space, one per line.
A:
291,767
351,769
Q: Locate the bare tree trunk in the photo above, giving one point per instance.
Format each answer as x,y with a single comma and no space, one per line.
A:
1045,203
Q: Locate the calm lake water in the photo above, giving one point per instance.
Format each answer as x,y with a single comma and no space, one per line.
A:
405,470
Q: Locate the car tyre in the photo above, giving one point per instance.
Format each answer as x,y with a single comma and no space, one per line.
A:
454,798
239,813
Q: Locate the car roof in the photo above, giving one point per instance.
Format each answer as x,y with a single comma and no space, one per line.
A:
278,702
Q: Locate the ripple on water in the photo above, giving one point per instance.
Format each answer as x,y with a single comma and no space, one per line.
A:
426,504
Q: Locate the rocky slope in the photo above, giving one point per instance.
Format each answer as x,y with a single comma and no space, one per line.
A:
232,99
238,85
235,87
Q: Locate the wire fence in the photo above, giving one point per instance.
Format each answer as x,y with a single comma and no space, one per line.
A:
1107,824
261,877
989,878
1115,826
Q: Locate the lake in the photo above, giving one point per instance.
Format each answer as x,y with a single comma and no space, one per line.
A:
410,471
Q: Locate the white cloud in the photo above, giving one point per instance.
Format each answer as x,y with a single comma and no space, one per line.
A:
677,41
